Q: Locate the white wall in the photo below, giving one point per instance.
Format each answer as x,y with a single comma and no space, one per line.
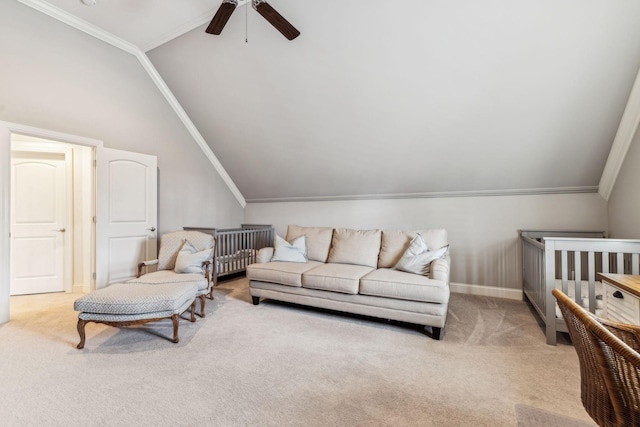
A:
624,202
483,231
55,77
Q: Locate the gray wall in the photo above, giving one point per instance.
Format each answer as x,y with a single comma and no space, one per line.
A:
624,202
483,231
58,78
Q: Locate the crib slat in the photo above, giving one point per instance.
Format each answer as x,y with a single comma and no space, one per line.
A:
605,262
635,263
577,265
591,269
620,266
564,268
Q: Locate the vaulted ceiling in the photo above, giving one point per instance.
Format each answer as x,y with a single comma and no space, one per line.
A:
395,98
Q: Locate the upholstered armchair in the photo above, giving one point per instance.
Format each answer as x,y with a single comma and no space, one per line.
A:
185,256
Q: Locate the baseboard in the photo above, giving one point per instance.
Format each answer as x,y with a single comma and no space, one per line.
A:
486,291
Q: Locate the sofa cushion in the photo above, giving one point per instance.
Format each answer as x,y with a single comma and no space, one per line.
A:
360,247
265,254
395,243
417,258
318,240
335,277
285,273
390,283
296,251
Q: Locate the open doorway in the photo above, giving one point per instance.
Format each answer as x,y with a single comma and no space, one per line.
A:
7,132
52,193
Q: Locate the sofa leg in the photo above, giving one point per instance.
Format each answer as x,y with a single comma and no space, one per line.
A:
437,333
256,300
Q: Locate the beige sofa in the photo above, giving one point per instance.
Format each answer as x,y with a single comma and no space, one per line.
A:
353,271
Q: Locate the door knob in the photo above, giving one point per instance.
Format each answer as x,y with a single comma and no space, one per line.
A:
151,229
61,230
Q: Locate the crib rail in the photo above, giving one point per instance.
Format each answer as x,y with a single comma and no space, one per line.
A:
573,262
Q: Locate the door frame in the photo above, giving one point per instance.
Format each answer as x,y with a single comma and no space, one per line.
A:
6,130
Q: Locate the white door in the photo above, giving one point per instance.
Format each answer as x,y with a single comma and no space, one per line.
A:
39,222
126,213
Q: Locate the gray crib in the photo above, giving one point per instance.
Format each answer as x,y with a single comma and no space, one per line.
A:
236,248
569,260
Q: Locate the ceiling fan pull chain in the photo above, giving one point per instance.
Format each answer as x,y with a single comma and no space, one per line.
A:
246,24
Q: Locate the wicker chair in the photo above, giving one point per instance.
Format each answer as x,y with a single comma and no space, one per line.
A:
609,364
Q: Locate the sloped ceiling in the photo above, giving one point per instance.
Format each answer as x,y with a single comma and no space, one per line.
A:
393,98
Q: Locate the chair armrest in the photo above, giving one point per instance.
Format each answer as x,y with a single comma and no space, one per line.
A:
264,255
439,270
145,264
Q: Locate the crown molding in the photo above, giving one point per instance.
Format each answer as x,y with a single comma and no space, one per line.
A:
107,37
186,121
79,24
622,141
433,195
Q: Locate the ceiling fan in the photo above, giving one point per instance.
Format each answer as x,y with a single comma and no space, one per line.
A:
262,7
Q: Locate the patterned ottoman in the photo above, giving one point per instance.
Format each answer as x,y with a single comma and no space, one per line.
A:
125,304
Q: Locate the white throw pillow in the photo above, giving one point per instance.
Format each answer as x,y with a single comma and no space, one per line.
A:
190,260
417,258
296,251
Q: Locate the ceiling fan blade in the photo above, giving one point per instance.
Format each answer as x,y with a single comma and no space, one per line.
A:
275,19
222,16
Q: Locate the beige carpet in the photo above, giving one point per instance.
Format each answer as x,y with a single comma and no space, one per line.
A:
277,364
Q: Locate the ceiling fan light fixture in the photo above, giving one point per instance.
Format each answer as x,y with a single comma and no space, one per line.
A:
89,2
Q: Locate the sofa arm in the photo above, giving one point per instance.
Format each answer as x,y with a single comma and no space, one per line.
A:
264,255
440,270
145,264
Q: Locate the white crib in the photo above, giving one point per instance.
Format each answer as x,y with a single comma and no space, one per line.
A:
570,260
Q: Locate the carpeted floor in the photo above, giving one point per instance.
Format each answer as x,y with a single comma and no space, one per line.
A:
277,365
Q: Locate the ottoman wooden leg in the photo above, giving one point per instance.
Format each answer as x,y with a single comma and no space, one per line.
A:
202,301
193,311
176,323
81,324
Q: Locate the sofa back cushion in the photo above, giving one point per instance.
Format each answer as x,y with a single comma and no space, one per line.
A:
318,240
395,243
360,247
